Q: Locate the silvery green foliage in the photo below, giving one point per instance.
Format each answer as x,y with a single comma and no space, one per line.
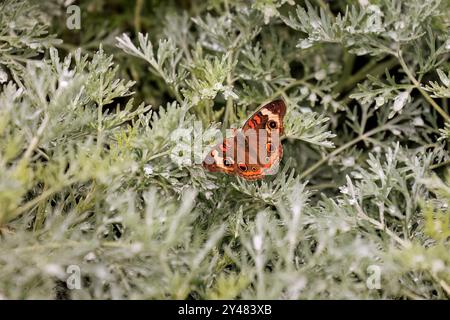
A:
438,90
89,187
23,34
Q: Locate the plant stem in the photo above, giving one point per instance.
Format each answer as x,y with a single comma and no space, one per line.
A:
289,86
381,226
349,62
70,243
227,6
35,140
229,106
137,15
441,164
100,113
444,285
44,195
371,68
342,148
418,86
158,155
377,224
324,6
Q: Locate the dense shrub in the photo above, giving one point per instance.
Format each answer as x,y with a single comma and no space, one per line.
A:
88,185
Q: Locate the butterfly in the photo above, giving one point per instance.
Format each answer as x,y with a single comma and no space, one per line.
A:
255,150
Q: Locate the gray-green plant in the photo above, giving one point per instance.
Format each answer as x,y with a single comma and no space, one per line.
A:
87,178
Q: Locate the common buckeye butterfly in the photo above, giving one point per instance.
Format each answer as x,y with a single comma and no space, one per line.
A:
255,150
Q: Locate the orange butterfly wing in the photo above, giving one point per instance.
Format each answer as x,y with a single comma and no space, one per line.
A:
221,157
255,151
272,112
266,127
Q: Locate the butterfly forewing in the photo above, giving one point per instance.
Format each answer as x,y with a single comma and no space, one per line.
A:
269,117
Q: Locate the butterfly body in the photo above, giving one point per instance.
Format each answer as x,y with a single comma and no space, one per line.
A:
254,151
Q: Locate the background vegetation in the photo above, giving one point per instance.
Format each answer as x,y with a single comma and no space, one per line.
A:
86,177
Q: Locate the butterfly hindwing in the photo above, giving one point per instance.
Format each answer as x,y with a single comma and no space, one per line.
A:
266,163
222,157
